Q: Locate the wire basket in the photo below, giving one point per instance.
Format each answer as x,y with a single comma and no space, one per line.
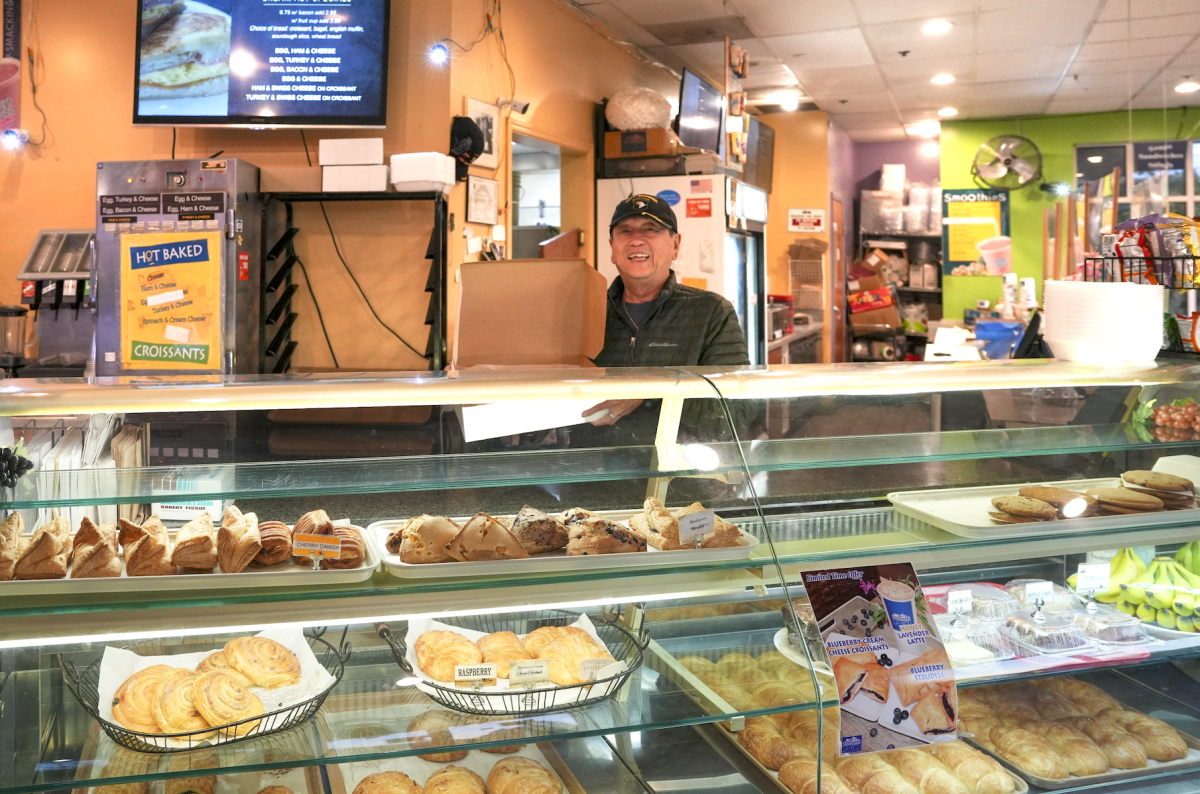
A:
621,643
1173,272
808,271
85,686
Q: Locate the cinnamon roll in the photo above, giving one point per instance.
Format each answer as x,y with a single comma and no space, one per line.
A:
221,701
265,662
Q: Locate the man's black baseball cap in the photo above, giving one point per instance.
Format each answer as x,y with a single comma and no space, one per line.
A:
649,206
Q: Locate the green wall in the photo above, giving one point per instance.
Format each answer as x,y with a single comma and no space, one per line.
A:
1056,137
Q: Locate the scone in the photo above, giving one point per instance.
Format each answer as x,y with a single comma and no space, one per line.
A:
575,515
600,536
539,532
485,538
423,539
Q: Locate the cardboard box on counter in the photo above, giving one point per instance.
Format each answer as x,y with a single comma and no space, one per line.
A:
290,179
640,143
354,178
565,304
350,151
874,319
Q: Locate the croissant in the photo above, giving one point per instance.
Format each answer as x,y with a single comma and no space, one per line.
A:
438,652
1080,753
804,728
870,774
238,540
519,775
431,729
502,647
979,773
1124,751
800,776
276,541
353,552
565,655
423,540
454,780
387,783
95,551
742,669
537,640
762,739
1053,706
48,553
698,664
147,548
775,694
976,720
1014,713
196,544
1162,742
1030,752
11,530
1089,697
925,772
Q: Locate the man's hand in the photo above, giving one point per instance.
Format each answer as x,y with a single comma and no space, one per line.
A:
616,410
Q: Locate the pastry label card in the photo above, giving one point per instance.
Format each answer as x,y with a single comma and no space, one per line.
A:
694,526
959,602
599,669
470,674
895,686
328,546
1093,577
527,672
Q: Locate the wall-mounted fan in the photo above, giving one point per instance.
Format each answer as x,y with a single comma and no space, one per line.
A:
1007,162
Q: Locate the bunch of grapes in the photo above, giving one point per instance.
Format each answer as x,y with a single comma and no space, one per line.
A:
1177,422
14,465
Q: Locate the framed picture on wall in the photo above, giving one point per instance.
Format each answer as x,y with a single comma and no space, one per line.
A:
488,118
482,200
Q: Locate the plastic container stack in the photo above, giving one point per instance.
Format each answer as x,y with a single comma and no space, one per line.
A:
1103,323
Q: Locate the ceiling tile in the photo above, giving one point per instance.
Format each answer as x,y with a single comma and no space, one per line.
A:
879,11
767,75
1084,103
661,12
1119,10
831,50
1109,83
1159,47
888,40
775,18
1145,27
859,121
935,96
852,80
1153,99
1027,64
1117,66
620,22
878,101
1059,23
916,73
1015,89
708,57
1186,64
879,134
986,108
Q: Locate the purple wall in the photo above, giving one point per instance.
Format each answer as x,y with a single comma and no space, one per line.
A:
870,157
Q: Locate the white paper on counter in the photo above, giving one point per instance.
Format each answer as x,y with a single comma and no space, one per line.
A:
510,418
562,699
419,769
119,664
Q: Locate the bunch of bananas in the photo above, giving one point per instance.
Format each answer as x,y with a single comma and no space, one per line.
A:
1166,593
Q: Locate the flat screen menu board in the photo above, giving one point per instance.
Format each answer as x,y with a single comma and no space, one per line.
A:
261,63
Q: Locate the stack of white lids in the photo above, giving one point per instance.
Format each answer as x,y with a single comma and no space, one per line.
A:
1103,323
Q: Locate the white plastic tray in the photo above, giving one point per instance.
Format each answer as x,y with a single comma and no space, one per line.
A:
282,574
551,561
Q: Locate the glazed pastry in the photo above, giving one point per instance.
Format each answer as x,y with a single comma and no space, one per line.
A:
423,540
762,739
978,772
1080,753
698,665
238,540
133,703
454,780
1030,752
1162,742
438,652
387,783
924,771
539,532
595,535
147,548
502,647
870,774
219,661
221,700
276,541
1015,712
432,729
11,530
656,525
196,544
485,538
95,551
800,775
575,515
565,655
522,776
316,522
353,552
48,552
174,706
1123,750
977,720
265,662
775,694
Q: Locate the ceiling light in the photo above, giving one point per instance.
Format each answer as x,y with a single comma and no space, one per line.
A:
947,112
925,129
931,149
937,26
1187,87
790,102
942,79
1096,158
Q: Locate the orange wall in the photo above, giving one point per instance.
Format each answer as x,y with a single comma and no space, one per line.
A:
86,90
801,181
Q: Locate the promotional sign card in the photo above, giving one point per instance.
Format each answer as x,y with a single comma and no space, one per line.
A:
894,681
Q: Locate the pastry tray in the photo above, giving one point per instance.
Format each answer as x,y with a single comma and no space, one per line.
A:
964,511
550,562
1190,761
282,574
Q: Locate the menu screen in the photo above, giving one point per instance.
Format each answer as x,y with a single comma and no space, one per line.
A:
262,62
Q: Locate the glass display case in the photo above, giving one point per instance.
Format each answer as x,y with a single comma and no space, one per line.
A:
524,501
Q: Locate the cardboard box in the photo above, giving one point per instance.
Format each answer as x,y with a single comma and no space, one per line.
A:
640,143
350,151
873,319
530,312
871,299
864,284
354,178
808,249
290,179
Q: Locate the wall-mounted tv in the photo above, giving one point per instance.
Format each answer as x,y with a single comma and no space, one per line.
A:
701,109
262,63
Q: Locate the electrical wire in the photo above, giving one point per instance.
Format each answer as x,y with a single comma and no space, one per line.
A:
490,9
307,156
317,306
173,143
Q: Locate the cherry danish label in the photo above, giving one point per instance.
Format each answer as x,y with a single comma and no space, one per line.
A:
328,546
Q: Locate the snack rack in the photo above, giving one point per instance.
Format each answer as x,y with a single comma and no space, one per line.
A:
623,644
85,686
1172,272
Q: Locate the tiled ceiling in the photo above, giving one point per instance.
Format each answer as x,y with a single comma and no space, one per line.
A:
868,63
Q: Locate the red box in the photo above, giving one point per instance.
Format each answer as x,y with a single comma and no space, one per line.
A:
871,299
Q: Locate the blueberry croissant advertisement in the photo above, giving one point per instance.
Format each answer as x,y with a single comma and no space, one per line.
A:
894,682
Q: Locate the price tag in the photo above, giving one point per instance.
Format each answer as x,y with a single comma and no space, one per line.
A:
959,601
1040,590
694,526
590,669
528,671
1093,577
474,672
327,546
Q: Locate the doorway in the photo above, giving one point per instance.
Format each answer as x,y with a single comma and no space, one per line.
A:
537,194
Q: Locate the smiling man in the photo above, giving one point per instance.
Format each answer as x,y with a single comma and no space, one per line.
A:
653,320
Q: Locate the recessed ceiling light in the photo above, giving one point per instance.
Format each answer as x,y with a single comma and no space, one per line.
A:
1096,158
1188,87
942,79
789,102
931,149
937,26
925,129
947,112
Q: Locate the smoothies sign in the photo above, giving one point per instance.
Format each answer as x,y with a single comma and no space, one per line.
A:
894,682
171,299
975,232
